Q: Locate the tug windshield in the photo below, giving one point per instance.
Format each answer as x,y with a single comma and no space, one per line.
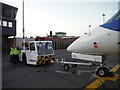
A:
44,48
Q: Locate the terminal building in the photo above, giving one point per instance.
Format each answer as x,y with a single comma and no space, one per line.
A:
7,25
59,40
58,43
60,34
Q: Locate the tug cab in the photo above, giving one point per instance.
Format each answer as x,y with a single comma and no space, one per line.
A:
38,52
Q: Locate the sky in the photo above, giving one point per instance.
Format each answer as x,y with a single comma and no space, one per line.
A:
70,16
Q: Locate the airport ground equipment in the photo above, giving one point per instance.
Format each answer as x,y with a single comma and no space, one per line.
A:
94,60
38,52
90,58
67,65
101,69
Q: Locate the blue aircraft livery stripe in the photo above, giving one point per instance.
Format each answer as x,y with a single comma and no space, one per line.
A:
113,25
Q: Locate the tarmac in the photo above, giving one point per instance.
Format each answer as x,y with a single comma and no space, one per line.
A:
21,76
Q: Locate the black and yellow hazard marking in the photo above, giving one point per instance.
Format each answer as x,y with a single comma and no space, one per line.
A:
43,59
100,80
114,69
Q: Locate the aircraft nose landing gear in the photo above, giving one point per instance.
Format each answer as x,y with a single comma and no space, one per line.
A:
103,71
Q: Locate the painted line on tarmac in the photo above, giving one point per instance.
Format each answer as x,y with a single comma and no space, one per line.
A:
62,72
94,85
79,72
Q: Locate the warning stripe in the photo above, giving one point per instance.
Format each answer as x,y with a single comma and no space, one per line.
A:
42,59
50,58
95,84
114,69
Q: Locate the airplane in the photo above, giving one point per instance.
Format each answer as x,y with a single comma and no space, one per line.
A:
102,40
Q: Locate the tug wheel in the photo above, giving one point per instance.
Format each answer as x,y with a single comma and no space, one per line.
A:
24,59
66,67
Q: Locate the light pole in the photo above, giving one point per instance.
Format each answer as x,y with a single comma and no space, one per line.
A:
23,29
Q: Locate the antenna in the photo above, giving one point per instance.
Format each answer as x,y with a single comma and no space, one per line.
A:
23,29
103,18
89,27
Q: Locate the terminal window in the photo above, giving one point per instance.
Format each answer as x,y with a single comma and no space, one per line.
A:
9,24
5,23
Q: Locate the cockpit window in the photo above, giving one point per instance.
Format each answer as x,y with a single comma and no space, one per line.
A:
115,17
118,17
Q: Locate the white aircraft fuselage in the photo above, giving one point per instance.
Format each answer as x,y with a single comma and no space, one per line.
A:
103,40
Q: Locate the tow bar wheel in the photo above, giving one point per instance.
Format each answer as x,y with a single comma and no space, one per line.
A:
66,67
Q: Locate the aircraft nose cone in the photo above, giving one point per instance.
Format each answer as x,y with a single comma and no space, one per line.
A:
74,46
68,48
71,48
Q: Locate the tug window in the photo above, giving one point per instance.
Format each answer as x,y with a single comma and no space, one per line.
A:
32,46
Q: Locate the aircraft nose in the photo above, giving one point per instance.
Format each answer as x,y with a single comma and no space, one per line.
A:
72,47
69,48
